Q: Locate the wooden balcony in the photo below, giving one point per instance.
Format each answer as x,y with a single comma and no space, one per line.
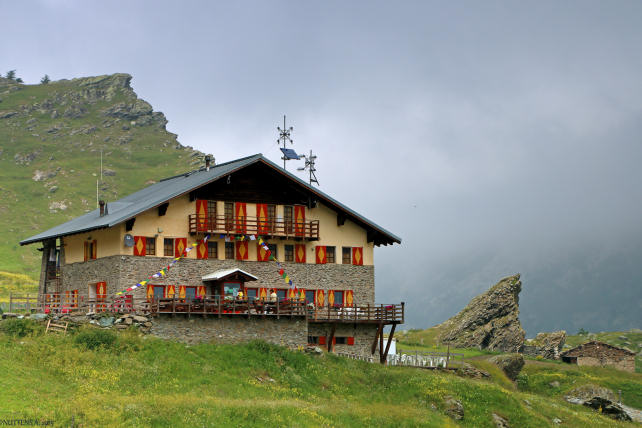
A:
308,230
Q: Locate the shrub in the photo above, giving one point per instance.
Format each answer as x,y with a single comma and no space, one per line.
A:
93,338
522,381
20,327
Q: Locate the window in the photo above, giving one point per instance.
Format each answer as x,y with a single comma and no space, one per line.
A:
229,251
281,294
347,255
338,297
190,293
272,248
289,253
229,216
313,340
150,246
271,214
252,293
329,254
287,218
159,291
211,210
90,250
309,296
168,247
340,340
212,250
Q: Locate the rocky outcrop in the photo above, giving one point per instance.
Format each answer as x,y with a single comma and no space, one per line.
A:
600,399
545,345
511,364
490,321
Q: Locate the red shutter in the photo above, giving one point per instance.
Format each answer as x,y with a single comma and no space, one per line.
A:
357,256
263,293
86,250
170,291
321,340
200,291
301,294
299,253
150,291
94,249
349,298
334,340
291,294
299,220
201,215
181,291
351,340
201,250
242,250
261,254
74,296
180,245
320,298
321,255
330,297
262,218
241,216
140,245
101,290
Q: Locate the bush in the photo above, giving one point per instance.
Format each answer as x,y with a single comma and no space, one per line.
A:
93,338
20,327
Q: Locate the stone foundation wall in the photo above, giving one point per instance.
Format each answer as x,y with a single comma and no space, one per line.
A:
286,332
623,363
121,272
363,337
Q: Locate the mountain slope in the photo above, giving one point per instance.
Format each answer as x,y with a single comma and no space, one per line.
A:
51,137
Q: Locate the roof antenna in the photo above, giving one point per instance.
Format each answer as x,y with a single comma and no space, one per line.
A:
309,165
284,136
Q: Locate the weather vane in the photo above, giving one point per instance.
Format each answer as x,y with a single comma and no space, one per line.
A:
284,136
309,165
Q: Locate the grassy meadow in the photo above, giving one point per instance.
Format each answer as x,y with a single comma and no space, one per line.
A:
140,381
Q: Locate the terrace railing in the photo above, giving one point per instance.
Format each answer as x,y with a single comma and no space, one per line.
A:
254,226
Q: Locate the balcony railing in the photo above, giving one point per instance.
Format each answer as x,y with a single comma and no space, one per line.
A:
254,226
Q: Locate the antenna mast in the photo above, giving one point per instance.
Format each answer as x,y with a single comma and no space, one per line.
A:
309,165
284,136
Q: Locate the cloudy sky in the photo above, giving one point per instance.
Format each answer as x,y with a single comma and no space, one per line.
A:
493,137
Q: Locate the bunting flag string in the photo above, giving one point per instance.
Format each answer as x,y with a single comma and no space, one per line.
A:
163,272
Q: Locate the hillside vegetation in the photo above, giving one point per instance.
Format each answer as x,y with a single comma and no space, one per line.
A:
142,381
51,137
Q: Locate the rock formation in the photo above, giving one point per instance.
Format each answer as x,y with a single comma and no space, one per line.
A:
546,345
490,321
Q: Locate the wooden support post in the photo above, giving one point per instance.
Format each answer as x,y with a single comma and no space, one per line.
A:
277,308
384,358
331,339
381,344
374,342
219,306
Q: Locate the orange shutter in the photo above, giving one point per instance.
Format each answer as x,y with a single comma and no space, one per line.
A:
262,293
349,298
301,294
299,220
200,291
180,245
170,291
181,291
331,297
261,254
262,218
291,294
101,290
321,340
242,250
241,216
201,250
150,291
94,249
299,253
74,297
67,298
140,245
321,256
320,298
86,250
351,340
201,215
357,256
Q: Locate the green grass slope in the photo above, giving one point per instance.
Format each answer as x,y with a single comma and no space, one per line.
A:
51,137
143,381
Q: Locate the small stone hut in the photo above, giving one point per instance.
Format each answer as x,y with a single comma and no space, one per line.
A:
596,353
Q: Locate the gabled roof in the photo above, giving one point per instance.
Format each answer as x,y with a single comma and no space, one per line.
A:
169,188
579,350
222,274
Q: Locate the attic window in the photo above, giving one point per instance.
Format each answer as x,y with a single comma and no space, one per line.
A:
162,209
129,224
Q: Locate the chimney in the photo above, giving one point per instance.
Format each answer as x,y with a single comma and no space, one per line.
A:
103,211
208,159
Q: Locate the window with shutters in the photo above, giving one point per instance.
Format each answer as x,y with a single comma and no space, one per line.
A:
338,340
330,254
309,296
229,251
212,250
272,248
346,255
289,253
271,214
150,246
288,216
229,216
168,247
211,210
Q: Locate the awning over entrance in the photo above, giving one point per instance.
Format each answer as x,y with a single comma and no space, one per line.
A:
235,274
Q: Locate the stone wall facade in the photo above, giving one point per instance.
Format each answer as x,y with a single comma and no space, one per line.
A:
363,334
620,362
285,331
120,272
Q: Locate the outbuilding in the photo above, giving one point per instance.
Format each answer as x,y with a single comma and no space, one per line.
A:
596,353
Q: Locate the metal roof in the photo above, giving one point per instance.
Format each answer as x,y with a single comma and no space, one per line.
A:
169,188
220,274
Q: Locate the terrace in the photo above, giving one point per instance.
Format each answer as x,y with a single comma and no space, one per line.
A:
268,227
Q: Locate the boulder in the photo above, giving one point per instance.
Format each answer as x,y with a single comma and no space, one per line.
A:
490,321
38,317
511,364
106,321
608,408
138,318
499,421
454,408
468,370
128,321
